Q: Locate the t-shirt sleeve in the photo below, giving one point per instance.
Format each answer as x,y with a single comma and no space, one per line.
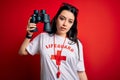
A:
33,46
80,63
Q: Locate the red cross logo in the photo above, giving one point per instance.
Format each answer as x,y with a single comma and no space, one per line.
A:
58,57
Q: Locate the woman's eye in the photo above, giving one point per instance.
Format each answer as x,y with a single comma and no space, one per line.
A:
61,18
70,21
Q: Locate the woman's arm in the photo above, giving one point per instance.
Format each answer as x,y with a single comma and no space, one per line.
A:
22,49
30,26
82,75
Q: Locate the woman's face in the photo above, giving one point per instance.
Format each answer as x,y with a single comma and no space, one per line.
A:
64,22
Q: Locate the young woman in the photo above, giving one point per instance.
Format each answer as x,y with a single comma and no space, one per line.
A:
61,52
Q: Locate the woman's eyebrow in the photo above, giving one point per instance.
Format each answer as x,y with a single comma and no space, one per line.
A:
65,17
62,16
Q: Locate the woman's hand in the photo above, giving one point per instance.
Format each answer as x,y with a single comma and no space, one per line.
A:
30,27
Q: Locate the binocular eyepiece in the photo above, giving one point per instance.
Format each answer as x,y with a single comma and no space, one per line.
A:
41,16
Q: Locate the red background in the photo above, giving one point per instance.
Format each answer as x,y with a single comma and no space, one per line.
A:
99,27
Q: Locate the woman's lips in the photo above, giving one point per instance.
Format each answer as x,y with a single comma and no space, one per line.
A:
63,28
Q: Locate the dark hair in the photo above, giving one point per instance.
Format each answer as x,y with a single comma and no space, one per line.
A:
72,33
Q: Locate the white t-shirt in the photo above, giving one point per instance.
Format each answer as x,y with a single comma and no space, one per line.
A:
44,44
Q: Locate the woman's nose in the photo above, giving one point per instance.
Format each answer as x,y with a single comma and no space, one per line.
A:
65,23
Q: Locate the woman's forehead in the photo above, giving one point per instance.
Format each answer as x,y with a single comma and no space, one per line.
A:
67,14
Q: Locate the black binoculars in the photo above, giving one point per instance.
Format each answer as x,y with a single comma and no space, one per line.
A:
41,16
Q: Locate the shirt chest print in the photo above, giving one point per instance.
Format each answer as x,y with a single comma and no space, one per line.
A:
58,57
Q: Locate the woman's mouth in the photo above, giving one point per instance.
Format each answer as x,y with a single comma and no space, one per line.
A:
63,28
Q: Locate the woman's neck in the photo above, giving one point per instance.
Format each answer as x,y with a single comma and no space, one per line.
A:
62,35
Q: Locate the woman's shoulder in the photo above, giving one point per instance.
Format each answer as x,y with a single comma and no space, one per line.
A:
79,42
